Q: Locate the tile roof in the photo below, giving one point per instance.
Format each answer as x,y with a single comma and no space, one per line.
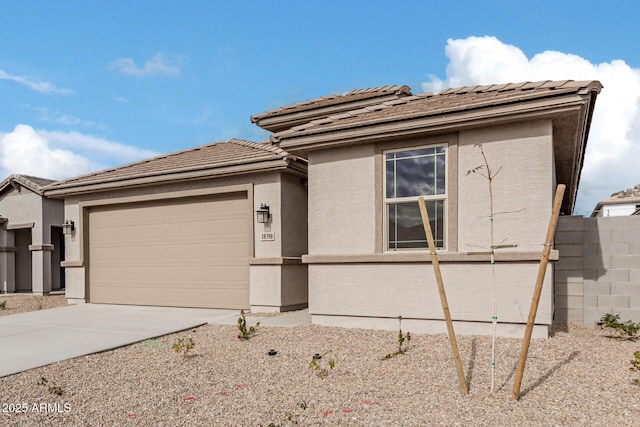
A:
211,158
334,99
624,195
569,103
432,104
628,196
34,183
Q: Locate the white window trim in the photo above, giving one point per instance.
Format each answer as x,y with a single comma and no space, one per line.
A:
387,201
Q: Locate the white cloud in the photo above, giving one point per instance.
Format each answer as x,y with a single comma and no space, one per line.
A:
93,146
33,84
59,118
159,64
23,151
613,148
59,155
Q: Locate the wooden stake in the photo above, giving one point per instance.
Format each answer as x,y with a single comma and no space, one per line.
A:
443,296
553,222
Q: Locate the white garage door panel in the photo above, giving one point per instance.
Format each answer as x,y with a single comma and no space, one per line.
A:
185,253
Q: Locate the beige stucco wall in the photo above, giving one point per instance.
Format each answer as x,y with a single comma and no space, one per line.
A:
280,261
295,286
523,189
294,215
342,200
74,291
267,190
7,260
343,219
292,293
389,290
267,269
262,294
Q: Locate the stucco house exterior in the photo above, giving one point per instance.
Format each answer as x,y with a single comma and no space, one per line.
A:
181,230
367,259
341,175
31,242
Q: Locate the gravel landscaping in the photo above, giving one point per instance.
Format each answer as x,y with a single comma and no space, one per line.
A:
577,377
21,303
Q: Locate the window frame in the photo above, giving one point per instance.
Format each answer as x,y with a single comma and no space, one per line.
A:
386,202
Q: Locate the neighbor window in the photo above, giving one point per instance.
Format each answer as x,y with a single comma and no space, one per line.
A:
410,174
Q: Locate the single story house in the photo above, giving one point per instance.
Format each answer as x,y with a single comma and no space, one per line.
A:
181,230
341,176
367,259
31,242
625,202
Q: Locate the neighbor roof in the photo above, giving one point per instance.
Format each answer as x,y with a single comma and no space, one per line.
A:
33,183
233,157
568,103
302,112
630,196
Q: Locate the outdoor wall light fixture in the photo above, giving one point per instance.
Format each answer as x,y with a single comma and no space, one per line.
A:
68,226
262,214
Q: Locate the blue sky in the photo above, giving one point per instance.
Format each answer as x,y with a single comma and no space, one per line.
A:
86,85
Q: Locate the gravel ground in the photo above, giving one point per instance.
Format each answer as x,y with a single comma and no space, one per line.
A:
21,303
577,377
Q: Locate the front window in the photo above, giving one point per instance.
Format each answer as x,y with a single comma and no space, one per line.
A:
410,174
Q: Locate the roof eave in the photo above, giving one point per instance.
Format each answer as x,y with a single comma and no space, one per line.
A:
23,182
590,94
71,189
424,123
578,104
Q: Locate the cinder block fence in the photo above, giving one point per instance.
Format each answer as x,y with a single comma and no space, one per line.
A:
599,269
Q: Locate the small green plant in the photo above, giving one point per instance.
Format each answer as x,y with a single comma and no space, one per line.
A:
244,333
627,330
3,305
154,343
635,366
291,417
402,339
52,386
183,345
317,364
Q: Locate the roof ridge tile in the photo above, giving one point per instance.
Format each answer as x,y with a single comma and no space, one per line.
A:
261,146
398,90
31,182
478,95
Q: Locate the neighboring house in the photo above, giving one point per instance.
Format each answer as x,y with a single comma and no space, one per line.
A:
181,230
367,256
625,202
31,243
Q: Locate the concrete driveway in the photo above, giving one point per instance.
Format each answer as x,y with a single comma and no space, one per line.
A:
38,338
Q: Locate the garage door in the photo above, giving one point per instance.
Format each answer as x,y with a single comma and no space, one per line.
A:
182,252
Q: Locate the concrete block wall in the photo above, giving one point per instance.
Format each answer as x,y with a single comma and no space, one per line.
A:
599,269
